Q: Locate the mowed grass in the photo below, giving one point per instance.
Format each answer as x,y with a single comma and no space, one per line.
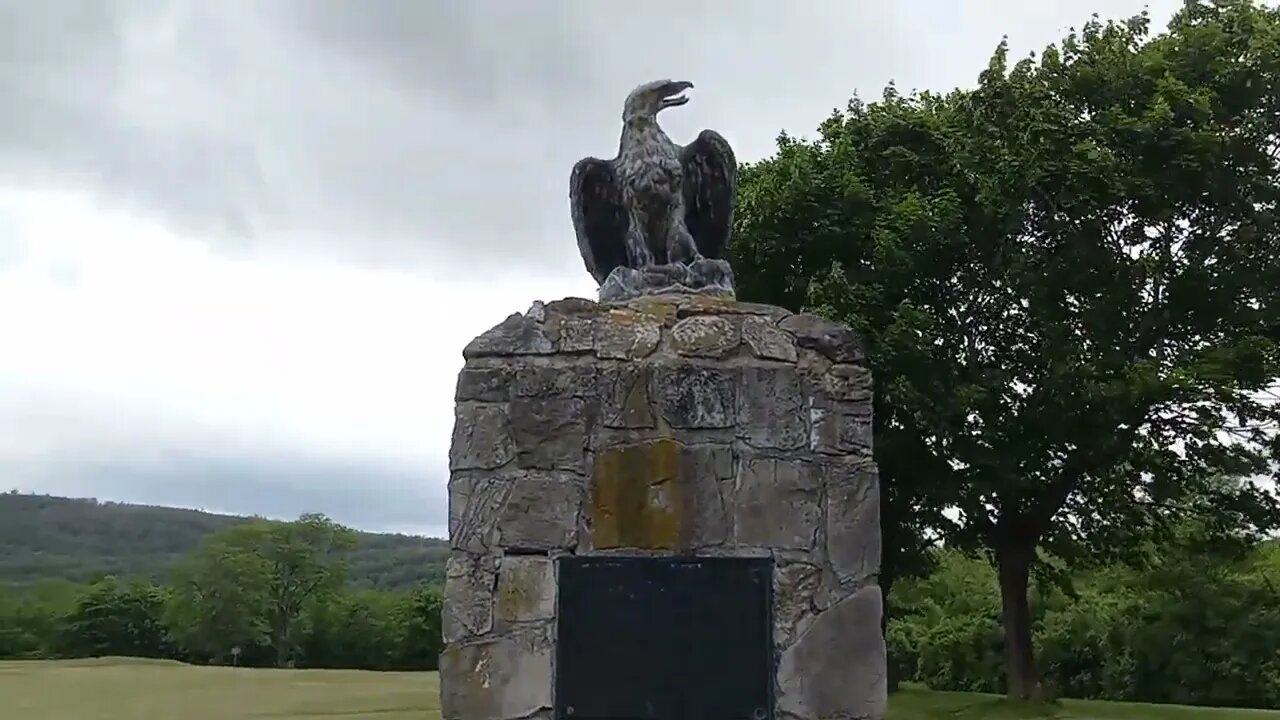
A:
127,689
914,703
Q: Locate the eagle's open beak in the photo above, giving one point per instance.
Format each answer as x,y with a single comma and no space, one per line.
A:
674,97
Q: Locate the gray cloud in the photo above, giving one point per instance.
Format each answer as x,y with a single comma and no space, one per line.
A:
397,131
367,496
431,135
69,444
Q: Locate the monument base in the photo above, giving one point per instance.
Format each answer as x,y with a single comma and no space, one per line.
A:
704,276
667,432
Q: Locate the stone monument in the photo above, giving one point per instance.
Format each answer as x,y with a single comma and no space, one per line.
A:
663,503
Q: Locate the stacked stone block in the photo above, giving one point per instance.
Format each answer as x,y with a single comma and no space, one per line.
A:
667,425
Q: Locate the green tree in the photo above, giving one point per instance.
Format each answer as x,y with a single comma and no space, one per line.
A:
31,618
220,600
249,585
353,629
846,201
114,617
307,563
421,638
1196,626
18,639
1067,278
1208,626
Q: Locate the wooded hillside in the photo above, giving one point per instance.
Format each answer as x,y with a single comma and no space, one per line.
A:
54,538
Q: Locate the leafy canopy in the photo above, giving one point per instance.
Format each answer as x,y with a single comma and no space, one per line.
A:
1067,278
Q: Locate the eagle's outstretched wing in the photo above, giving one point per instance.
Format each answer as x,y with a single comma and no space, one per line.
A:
595,202
710,190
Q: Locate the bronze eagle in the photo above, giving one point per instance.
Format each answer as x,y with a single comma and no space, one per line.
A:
656,202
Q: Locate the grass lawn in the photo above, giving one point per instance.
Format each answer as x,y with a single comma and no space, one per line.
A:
128,689
919,704
125,689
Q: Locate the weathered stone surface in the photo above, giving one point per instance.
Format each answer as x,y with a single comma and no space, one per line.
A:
627,403
549,434
660,308
648,428
795,587
475,503
540,512
529,510
814,366
481,438
766,341
627,335
576,335
552,381
517,335
842,429
848,382
836,342
694,396
573,306
704,336
636,498
706,473
483,384
660,495
777,504
771,408
836,668
853,521
689,305
468,596
501,679
526,589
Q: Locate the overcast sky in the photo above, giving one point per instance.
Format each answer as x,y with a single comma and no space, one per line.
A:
242,243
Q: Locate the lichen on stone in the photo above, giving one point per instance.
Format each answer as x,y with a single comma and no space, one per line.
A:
670,424
636,498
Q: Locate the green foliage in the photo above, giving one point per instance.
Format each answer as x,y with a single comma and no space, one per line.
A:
1198,623
249,585
30,623
1083,639
84,540
1192,628
355,629
947,627
113,617
376,630
1067,278
221,600
420,617
258,593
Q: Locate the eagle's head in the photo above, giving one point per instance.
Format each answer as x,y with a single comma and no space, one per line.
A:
648,99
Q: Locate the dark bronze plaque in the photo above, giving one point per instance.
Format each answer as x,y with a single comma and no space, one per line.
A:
645,638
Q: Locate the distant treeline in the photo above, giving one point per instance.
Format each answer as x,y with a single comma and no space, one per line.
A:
1197,622
256,593
81,540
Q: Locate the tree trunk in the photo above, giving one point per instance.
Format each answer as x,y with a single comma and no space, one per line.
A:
1014,567
281,641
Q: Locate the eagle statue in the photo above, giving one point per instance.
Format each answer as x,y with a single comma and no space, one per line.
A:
658,209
